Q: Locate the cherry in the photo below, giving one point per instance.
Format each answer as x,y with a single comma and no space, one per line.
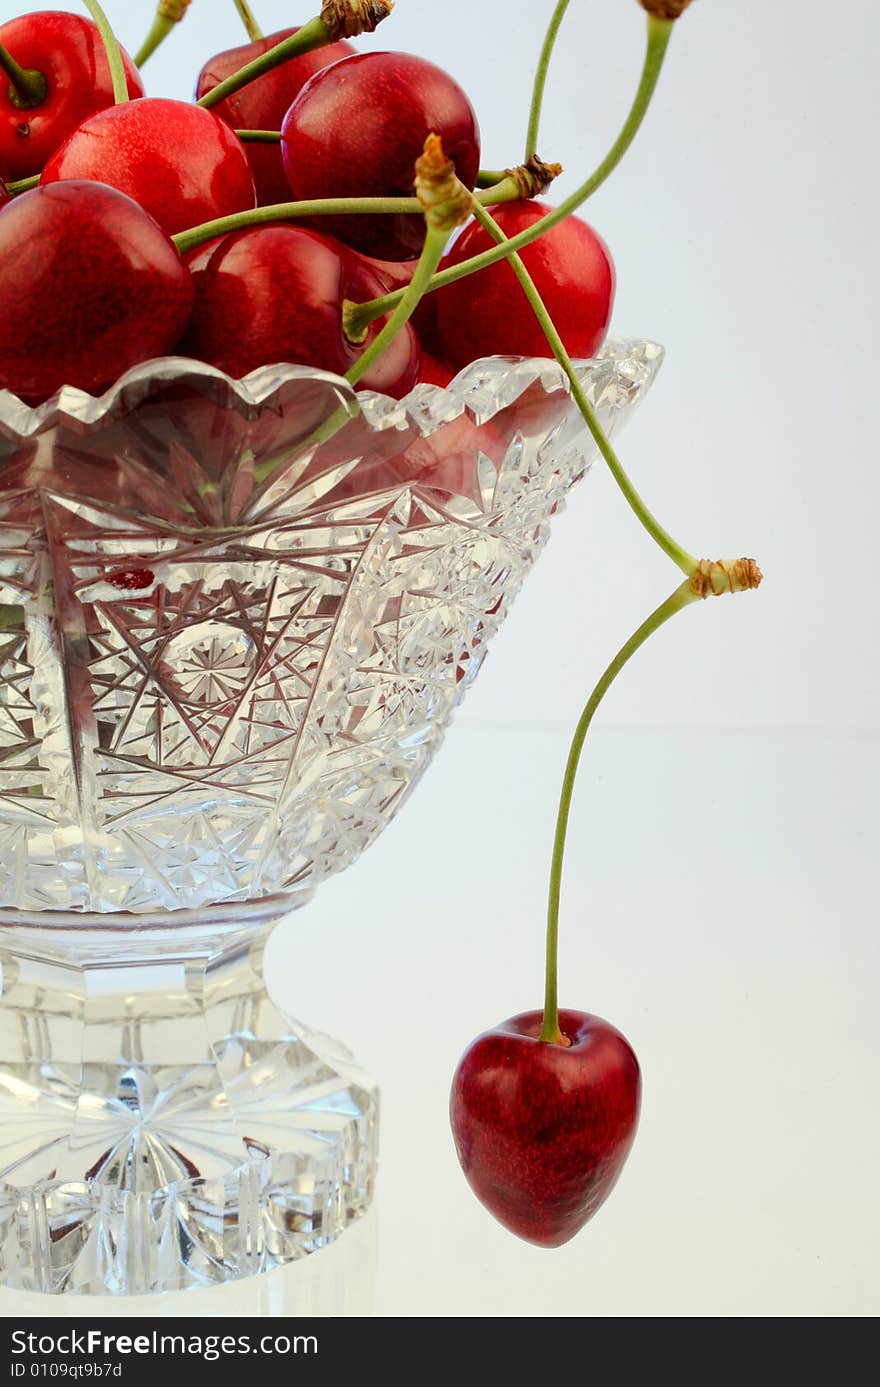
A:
5,195
432,371
133,579
275,293
356,130
542,1130
68,52
181,163
89,286
486,314
397,275
263,104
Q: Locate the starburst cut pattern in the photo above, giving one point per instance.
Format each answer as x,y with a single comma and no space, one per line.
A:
245,717
125,1173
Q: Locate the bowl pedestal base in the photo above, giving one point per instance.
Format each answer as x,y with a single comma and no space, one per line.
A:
162,1125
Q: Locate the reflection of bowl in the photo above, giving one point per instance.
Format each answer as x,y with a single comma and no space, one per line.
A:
223,666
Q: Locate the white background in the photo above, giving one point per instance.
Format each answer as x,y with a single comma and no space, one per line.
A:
721,886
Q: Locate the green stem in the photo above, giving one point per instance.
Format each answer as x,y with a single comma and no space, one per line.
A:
685,561
487,178
247,17
159,31
435,244
314,34
259,136
658,39
323,207
27,86
111,46
680,598
291,211
541,78
23,185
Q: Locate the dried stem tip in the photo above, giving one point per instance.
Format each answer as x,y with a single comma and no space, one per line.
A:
172,9
715,577
345,19
665,9
533,177
445,200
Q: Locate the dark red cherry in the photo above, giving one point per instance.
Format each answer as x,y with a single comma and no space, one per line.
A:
433,371
182,164
542,1130
262,105
133,579
275,293
5,195
68,51
397,275
486,314
356,130
89,286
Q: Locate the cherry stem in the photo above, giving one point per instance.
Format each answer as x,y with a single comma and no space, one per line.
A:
338,19
446,204
682,597
312,35
254,31
432,251
168,13
259,136
506,191
658,40
23,185
685,561
703,579
111,47
487,178
709,579
27,86
541,77
159,31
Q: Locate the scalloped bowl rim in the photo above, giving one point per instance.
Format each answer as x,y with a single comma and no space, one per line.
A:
258,388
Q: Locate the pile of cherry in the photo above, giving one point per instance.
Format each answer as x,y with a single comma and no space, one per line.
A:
92,283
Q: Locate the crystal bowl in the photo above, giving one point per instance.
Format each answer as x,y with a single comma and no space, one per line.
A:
235,620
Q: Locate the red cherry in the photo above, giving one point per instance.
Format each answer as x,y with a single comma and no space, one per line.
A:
132,579
356,130
432,371
275,293
89,285
67,49
182,164
397,275
5,195
542,1130
262,105
486,314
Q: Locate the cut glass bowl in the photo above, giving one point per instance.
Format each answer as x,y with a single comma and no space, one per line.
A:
235,620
